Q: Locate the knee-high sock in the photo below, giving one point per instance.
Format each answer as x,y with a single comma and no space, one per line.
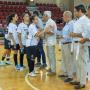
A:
15,59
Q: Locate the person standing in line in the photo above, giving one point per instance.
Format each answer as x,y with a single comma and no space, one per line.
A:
50,35
88,65
12,30
22,35
40,52
31,44
81,26
66,46
7,47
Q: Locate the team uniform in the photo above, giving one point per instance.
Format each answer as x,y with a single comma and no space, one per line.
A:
23,30
12,28
31,47
7,42
67,55
82,55
50,43
7,46
41,52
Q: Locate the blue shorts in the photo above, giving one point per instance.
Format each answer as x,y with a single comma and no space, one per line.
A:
7,44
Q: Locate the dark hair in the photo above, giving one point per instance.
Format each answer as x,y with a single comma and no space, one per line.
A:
25,14
89,7
32,18
80,7
36,13
10,18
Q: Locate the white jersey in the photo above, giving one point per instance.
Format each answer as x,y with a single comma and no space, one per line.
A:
23,29
6,34
12,28
32,40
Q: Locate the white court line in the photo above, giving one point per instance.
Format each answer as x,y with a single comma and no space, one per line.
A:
0,88
32,86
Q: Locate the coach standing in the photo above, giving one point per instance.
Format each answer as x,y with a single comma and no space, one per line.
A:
50,35
80,29
66,46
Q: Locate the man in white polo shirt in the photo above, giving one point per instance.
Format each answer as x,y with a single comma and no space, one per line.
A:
50,35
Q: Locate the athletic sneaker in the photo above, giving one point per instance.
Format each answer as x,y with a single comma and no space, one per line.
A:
38,64
43,66
8,62
36,72
2,63
21,68
17,67
32,74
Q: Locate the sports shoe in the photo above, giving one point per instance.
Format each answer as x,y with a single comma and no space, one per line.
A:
36,72
43,66
79,87
2,63
21,68
17,67
38,64
51,73
75,83
62,76
68,80
32,74
8,62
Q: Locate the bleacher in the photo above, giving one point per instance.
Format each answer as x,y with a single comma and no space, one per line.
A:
56,12
7,8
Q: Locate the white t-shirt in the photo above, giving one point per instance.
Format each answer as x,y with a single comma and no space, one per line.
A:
12,28
32,40
23,29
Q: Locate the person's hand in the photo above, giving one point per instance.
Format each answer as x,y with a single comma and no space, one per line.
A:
72,34
14,44
83,40
21,46
47,30
40,30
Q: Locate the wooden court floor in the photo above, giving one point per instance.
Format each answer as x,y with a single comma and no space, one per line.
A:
13,80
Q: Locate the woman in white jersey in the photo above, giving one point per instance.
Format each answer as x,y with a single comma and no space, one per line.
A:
31,44
7,52
22,35
12,30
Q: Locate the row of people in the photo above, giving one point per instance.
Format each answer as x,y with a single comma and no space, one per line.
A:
27,38
75,45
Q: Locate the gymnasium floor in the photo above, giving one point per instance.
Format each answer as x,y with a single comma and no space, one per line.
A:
13,80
